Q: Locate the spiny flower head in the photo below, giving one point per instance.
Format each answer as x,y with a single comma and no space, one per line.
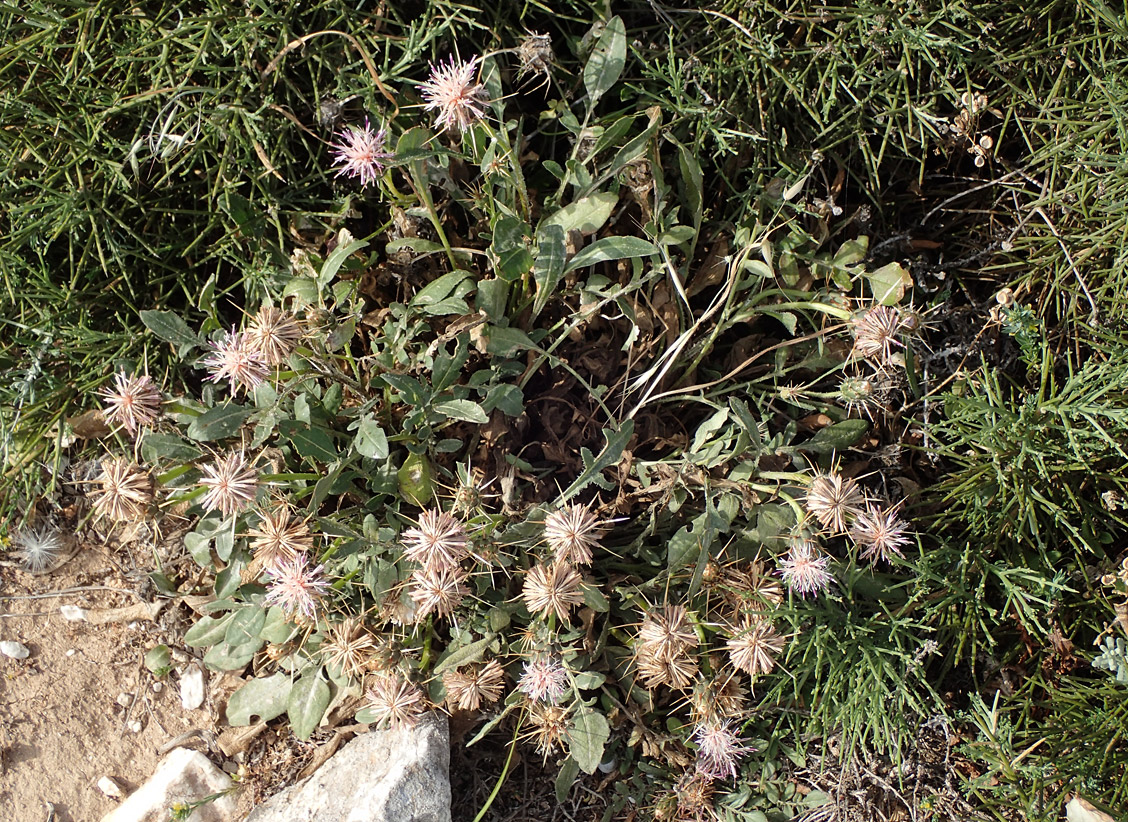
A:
719,748
750,587
394,701
233,358
450,91
754,646
440,541
880,532
677,672
544,679
273,334
549,726
360,153
124,491
554,588
467,690
349,646
278,538
133,402
295,587
39,548
667,632
572,533
437,589
231,484
875,333
805,568
834,501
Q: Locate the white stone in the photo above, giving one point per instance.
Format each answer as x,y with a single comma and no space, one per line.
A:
110,787
72,613
382,776
192,688
182,776
158,687
124,699
13,650
135,726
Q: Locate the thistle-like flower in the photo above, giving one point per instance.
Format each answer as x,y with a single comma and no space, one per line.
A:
667,632
278,538
875,333
273,334
554,588
678,672
754,646
535,56
39,548
834,501
467,690
133,402
231,484
880,532
437,589
348,647
439,542
719,748
295,587
549,727
750,587
544,679
450,91
394,701
717,700
234,359
805,568
124,491
572,533
360,153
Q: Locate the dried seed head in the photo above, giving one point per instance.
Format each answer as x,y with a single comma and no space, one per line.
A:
749,587
719,749
450,91
231,484
395,702
124,491
805,568
876,332
273,334
235,360
678,673
348,647
880,532
554,588
754,646
360,153
439,542
38,548
437,589
572,533
278,538
544,679
694,797
133,402
467,690
717,699
295,587
834,501
535,56
549,727
667,632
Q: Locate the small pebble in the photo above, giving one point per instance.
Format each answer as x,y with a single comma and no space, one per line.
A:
158,687
14,650
71,652
110,788
135,726
125,700
192,688
72,613
179,655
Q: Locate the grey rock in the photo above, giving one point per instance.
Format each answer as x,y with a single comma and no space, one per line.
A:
182,776
14,650
382,776
192,689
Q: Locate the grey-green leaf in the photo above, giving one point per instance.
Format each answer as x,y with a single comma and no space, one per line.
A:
218,423
207,631
587,736
260,700
836,437
607,60
307,703
466,410
170,327
611,248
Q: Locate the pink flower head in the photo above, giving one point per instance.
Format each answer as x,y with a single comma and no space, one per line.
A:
880,532
544,679
719,748
360,153
804,569
230,482
234,358
296,587
134,401
450,91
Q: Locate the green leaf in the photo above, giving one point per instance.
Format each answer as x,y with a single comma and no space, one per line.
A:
207,631
694,183
566,779
510,246
589,680
218,423
158,660
549,267
307,703
371,441
245,626
888,283
464,655
691,541
410,389
416,244
466,410
505,342
259,700
611,248
156,447
225,657
277,629
587,736
612,451
347,245
509,398
837,437
169,327
311,441
606,61
587,215
441,294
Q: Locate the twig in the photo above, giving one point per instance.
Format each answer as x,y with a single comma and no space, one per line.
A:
69,591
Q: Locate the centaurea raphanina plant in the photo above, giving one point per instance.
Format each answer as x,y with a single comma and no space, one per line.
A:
360,152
